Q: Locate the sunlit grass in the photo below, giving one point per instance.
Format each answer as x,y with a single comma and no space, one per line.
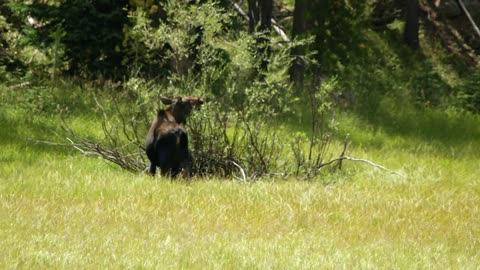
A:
89,216
80,213
62,210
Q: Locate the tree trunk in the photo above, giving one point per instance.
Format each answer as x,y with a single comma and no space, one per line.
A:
410,34
298,66
252,15
266,8
260,14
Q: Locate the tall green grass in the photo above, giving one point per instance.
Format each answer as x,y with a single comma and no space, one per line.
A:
61,210
86,216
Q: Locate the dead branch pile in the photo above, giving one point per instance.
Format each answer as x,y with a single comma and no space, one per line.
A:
115,152
221,145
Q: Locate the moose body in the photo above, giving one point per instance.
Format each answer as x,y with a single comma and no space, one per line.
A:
167,140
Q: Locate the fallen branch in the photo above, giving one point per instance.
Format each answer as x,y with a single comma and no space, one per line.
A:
244,176
280,31
361,160
240,11
20,85
465,11
342,157
114,152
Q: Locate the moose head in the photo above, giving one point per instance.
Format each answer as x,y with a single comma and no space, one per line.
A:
179,108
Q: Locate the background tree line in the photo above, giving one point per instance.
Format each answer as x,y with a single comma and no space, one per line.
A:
119,40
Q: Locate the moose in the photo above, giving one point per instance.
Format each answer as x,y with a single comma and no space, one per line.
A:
167,140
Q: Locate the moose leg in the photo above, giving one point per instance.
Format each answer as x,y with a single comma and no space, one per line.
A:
164,162
164,167
186,169
176,170
163,153
186,158
150,150
153,168
165,170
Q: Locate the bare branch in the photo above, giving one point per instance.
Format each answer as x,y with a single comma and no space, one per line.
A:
240,11
254,143
339,164
48,142
275,25
280,31
20,85
361,160
244,176
465,11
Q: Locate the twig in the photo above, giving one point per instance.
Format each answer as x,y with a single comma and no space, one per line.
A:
101,108
280,31
254,144
33,57
240,11
373,164
339,164
48,142
361,160
244,176
114,152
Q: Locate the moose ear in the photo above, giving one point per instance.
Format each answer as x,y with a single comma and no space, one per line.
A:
166,101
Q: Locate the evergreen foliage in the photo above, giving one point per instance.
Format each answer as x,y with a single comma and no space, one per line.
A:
204,44
89,31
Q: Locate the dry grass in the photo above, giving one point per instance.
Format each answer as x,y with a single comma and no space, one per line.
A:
89,216
62,211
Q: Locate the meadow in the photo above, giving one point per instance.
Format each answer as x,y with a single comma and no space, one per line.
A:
61,210
413,110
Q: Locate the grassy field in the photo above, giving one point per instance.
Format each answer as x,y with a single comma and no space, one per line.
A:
406,110
61,210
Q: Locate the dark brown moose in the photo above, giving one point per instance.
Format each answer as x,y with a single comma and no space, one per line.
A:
167,140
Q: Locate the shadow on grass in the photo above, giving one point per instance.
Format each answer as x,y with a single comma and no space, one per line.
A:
428,126
401,93
19,133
